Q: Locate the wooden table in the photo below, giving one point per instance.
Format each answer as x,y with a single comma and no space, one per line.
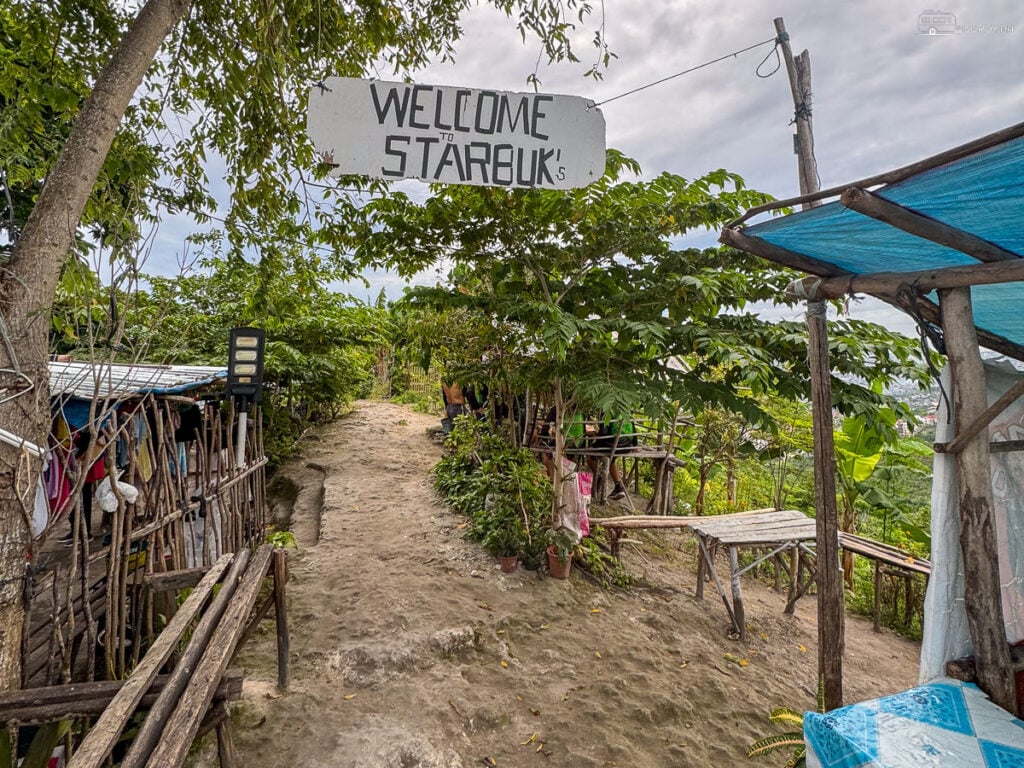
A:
780,531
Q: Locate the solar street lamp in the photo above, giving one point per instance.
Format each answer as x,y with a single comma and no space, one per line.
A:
245,378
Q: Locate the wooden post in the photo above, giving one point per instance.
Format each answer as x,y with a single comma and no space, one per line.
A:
799,70
181,726
739,617
794,580
877,612
152,727
702,569
281,617
828,573
225,746
982,593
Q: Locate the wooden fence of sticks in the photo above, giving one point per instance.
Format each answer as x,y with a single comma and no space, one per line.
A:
97,609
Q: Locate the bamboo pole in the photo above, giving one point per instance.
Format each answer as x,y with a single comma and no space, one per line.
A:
982,585
971,430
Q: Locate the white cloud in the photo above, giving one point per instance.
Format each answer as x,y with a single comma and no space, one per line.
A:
884,96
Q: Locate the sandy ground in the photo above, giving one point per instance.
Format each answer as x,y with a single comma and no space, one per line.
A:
410,649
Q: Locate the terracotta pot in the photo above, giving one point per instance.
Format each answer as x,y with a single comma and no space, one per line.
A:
508,564
559,570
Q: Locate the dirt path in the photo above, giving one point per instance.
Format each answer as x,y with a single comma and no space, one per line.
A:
411,650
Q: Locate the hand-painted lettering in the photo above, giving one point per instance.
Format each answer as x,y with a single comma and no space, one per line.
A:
500,165
392,151
460,96
542,166
538,116
486,112
391,101
482,161
417,106
425,142
438,107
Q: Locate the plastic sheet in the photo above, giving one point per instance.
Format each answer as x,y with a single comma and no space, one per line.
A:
944,724
946,635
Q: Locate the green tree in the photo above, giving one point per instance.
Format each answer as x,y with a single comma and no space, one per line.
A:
320,345
592,304
235,75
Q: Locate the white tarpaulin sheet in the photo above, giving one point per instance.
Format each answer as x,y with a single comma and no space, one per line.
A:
944,724
946,635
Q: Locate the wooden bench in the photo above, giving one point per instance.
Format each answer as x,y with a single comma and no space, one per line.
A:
617,526
888,561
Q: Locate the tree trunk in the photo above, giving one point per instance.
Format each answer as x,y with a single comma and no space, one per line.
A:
702,484
559,454
26,296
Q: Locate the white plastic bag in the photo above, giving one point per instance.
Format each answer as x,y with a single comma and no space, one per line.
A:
105,495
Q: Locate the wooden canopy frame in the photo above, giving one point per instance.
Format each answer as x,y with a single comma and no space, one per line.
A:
954,314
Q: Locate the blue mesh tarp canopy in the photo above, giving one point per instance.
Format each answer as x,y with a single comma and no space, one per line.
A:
982,194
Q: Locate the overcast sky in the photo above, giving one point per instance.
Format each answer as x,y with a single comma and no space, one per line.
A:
883,94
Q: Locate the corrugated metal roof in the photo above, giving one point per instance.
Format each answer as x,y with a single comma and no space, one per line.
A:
113,380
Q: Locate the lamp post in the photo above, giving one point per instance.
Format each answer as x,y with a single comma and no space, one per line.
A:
245,378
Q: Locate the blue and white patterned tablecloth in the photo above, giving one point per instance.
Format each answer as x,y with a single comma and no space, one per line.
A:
945,723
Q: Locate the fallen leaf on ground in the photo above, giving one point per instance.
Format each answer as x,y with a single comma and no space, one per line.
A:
349,696
490,761
535,712
803,648
504,664
595,610
533,738
597,654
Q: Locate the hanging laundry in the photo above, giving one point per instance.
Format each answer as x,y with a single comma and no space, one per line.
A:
40,510
144,447
57,481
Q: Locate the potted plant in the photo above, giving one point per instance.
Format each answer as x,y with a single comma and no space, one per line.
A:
504,540
561,545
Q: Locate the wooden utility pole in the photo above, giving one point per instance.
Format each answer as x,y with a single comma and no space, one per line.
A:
982,586
831,632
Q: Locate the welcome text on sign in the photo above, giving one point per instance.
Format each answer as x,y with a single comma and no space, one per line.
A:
456,135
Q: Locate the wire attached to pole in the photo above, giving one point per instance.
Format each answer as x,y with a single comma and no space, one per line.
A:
694,69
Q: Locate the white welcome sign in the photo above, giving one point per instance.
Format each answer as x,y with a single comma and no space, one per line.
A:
456,135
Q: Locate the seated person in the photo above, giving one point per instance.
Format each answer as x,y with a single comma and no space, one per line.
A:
613,435
574,432
476,397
